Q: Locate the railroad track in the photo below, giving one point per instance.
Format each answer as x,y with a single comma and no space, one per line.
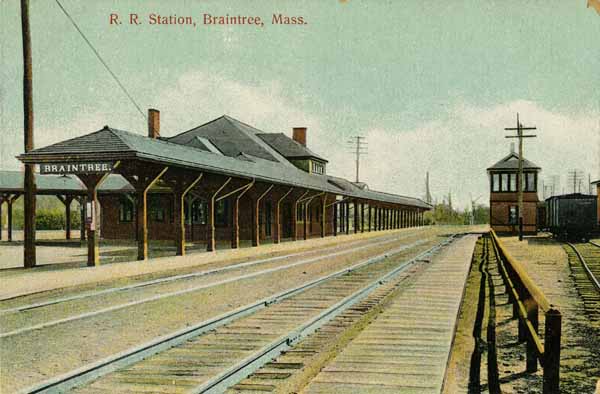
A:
215,354
584,260
156,290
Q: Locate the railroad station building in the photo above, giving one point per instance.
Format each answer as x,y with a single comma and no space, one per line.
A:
221,181
504,208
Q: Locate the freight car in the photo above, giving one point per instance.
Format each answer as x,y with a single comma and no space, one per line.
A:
571,216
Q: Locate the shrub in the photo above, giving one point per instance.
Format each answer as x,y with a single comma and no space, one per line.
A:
47,219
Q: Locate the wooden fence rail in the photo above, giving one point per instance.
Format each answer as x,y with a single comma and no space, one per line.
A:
527,299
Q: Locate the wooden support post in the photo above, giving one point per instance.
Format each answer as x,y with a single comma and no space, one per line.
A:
181,189
335,220
211,242
387,219
370,212
295,216
308,216
256,217
142,184
1,229
323,214
347,217
235,225
532,316
552,352
375,218
277,238
9,214
355,226
342,217
92,182
81,218
67,200
305,220
362,217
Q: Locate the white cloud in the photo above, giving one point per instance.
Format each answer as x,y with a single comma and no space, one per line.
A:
456,149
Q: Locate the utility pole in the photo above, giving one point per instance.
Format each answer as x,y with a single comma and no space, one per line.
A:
520,136
29,255
473,202
575,176
359,147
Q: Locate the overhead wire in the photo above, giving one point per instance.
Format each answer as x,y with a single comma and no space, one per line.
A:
101,59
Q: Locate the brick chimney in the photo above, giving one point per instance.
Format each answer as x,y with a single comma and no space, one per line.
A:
153,123
299,135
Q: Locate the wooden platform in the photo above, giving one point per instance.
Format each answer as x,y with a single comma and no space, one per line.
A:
406,349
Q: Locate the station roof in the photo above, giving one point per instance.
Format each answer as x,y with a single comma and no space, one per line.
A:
12,182
511,162
288,147
113,144
231,137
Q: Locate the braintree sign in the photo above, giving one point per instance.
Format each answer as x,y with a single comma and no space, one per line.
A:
97,167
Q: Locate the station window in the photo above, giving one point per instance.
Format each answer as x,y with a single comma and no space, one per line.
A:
199,209
156,209
221,212
513,183
318,168
504,185
529,182
125,209
300,212
495,182
513,215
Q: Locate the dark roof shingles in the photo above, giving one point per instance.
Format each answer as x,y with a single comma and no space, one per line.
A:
287,146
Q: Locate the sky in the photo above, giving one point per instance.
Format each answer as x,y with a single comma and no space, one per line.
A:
430,84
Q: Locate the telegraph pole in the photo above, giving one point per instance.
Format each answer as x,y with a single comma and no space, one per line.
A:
29,256
575,176
358,145
520,136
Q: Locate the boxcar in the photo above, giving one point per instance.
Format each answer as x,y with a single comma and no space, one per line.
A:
571,216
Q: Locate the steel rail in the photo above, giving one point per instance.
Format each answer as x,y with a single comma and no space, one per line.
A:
120,360
587,269
595,244
252,363
190,290
177,277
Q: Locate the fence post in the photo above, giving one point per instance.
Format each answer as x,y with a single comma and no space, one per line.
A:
552,352
523,297
532,316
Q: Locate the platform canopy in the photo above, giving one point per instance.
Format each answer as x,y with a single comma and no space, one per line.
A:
110,145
